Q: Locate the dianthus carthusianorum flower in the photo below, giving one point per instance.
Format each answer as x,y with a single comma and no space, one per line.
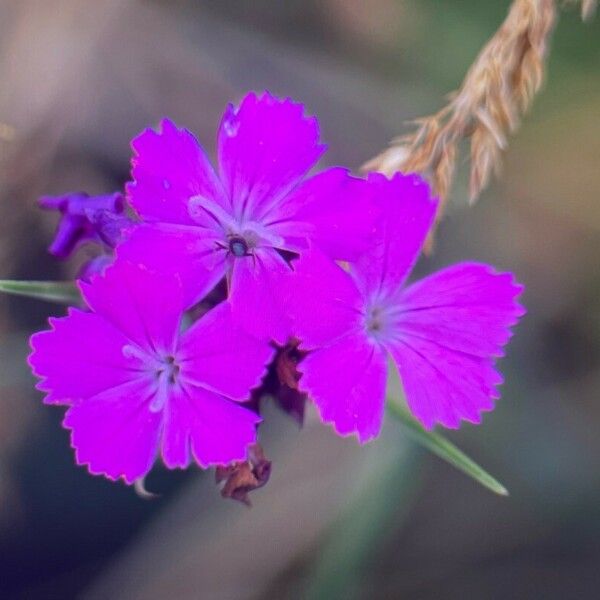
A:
135,386
443,333
245,221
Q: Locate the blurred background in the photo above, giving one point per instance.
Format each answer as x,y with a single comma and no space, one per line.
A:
78,79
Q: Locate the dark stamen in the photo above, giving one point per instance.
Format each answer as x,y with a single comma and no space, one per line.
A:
173,374
171,369
375,320
238,246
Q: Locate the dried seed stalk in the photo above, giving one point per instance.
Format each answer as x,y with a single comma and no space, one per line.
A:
496,91
7,133
588,8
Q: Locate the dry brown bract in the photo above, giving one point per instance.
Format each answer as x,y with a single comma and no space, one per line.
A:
241,478
496,91
588,8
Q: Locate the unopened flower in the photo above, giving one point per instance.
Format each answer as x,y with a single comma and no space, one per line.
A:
246,221
95,266
136,386
85,218
443,333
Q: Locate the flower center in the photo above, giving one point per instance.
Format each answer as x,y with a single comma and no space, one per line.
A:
166,373
170,369
376,321
238,246
162,370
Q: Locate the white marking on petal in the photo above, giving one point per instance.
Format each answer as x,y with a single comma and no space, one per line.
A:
198,206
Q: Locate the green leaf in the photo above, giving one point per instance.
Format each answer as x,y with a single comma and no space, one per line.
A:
446,450
64,292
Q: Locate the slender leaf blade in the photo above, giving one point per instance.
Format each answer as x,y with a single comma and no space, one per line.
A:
63,292
446,450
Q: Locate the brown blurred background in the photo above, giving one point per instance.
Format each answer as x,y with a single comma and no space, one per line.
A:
78,79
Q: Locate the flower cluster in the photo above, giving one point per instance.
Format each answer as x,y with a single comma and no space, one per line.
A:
221,273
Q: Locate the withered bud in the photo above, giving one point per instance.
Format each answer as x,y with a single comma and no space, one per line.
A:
286,362
243,477
289,398
281,383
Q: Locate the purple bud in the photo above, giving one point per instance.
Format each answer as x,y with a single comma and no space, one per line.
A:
95,266
99,219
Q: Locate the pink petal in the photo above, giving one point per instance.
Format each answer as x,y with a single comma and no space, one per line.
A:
114,433
347,383
168,168
188,253
407,214
145,305
256,292
450,328
207,426
444,386
265,147
322,300
219,355
79,357
468,306
332,209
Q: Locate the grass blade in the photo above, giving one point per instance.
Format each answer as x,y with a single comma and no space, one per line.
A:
64,292
446,450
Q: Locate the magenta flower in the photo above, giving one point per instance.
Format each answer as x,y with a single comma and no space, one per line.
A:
85,218
135,385
244,222
443,333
